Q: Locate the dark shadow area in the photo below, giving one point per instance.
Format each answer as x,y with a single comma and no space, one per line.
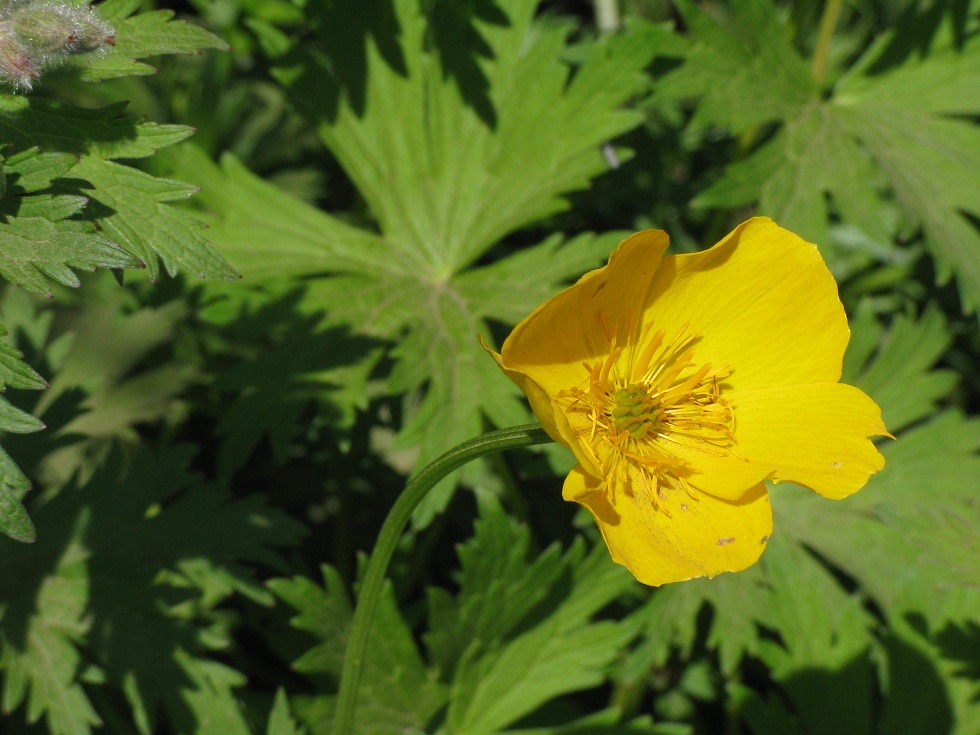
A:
917,27
344,30
453,35
916,702
285,379
834,701
41,122
961,643
846,700
338,69
158,518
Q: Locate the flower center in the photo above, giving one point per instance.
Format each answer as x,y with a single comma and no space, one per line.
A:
645,404
634,410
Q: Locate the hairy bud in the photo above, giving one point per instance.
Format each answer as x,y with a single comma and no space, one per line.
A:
35,36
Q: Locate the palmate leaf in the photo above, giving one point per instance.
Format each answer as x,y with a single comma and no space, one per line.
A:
900,132
122,584
452,154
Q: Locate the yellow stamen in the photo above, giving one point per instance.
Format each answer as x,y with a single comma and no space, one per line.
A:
630,421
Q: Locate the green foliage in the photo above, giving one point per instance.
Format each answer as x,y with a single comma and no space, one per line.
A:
477,132
514,636
126,574
888,143
71,207
392,179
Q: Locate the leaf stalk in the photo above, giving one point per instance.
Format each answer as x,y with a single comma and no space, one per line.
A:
828,24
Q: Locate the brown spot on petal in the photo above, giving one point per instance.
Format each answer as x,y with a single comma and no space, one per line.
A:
723,541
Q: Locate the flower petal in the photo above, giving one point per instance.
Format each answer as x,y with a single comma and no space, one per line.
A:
762,300
551,344
701,536
813,435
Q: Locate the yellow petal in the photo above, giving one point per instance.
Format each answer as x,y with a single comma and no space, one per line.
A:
702,535
551,417
551,344
813,435
762,300
539,400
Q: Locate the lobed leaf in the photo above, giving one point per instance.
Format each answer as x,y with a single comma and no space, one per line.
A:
133,208
116,585
453,150
897,133
140,36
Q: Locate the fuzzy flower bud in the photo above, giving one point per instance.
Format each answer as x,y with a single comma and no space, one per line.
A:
17,68
37,35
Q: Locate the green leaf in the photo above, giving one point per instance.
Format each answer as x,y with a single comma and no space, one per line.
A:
765,80
39,639
397,692
211,705
900,134
280,719
14,521
498,589
15,373
105,132
900,376
928,152
132,208
139,36
452,154
673,612
521,637
40,234
251,213
126,571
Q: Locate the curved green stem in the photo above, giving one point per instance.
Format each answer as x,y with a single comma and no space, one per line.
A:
828,23
384,548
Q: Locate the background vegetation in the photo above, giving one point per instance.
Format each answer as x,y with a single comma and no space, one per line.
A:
391,178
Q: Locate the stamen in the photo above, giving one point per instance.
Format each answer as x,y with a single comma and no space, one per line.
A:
644,400
604,377
644,362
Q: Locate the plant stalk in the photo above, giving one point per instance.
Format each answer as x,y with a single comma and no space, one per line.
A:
384,548
607,16
828,23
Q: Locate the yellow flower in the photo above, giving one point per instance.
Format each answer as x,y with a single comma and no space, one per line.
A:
681,383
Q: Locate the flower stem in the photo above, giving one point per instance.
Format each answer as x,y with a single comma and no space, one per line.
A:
828,23
607,16
384,548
